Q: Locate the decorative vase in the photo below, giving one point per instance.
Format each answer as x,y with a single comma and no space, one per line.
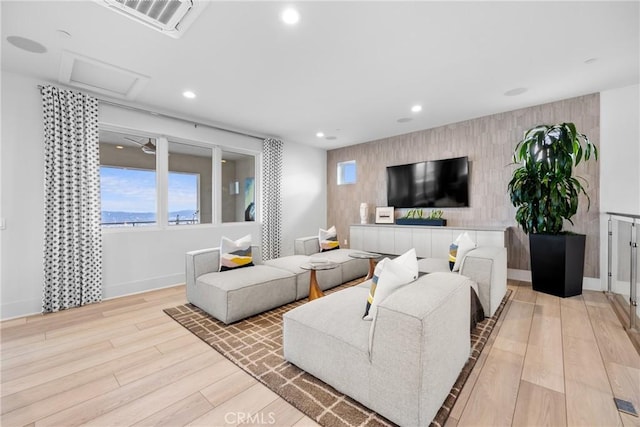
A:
364,213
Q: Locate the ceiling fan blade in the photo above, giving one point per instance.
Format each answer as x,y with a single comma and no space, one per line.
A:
134,141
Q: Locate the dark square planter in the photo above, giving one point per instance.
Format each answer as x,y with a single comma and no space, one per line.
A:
557,263
419,221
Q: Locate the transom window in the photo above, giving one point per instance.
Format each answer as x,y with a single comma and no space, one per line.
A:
347,172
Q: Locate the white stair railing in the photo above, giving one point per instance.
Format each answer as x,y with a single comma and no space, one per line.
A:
633,262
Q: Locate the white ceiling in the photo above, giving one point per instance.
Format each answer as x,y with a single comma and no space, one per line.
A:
348,69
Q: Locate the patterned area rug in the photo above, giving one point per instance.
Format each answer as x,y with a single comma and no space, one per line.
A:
255,345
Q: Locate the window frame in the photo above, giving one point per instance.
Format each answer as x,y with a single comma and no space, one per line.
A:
257,161
341,169
162,180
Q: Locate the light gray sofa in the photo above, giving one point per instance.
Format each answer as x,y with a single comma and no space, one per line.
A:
236,294
233,295
351,268
403,363
486,265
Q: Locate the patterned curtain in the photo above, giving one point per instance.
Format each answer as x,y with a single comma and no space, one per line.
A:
271,200
73,236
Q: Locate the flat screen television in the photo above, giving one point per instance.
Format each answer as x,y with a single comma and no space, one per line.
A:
436,183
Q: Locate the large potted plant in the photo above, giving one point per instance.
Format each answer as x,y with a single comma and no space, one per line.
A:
545,193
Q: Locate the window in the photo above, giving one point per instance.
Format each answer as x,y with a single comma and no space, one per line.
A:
127,180
147,181
238,187
183,198
190,184
128,196
347,172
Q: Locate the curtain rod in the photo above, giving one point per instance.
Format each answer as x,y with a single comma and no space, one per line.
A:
168,116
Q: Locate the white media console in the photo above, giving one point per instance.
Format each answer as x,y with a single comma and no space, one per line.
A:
428,241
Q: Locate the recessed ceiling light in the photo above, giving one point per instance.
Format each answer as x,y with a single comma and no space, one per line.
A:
26,44
119,147
188,94
404,120
590,60
290,16
64,33
516,91
319,134
416,108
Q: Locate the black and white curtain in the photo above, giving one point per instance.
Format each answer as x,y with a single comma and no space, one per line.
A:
271,200
73,236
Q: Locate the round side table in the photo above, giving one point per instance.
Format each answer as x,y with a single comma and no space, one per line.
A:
313,266
371,256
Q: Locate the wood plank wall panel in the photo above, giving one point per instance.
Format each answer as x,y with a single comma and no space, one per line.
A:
488,142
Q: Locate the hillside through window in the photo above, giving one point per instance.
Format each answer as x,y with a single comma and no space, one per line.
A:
127,180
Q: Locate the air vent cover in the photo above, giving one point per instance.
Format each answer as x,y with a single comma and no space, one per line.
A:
171,17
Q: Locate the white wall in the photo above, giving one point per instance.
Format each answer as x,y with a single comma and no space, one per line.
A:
22,197
304,193
619,165
133,261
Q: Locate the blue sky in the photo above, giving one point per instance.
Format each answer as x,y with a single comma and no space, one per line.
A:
134,190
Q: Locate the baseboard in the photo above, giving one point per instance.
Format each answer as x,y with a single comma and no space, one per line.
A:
14,310
173,285
591,284
588,283
131,288
520,275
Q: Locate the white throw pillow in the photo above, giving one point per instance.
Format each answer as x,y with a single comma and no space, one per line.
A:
396,273
374,284
235,253
328,239
459,249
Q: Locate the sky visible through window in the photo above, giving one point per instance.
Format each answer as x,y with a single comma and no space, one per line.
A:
350,173
129,195
347,172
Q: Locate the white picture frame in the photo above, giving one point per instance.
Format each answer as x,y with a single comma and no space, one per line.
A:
384,215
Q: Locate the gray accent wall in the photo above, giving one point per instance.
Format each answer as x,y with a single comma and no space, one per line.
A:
488,142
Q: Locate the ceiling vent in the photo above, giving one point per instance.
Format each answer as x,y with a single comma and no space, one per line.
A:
171,17
100,77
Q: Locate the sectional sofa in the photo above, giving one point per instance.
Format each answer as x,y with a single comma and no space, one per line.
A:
236,294
403,363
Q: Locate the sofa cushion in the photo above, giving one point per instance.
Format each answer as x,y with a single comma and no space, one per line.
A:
328,338
487,265
235,253
420,344
458,250
352,268
306,245
433,265
235,294
328,239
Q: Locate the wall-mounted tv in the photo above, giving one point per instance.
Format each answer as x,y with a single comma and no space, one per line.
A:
436,183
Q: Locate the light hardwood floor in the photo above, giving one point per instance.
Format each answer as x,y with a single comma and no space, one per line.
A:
549,361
